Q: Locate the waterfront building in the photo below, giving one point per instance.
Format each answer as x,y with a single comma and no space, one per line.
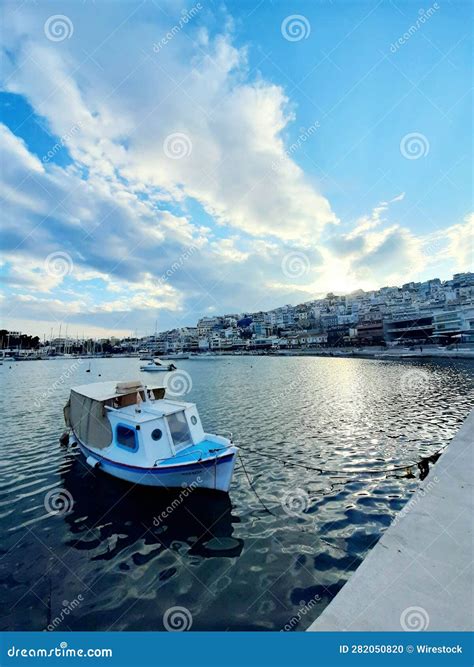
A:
432,311
203,344
207,324
455,324
338,335
370,331
328,320
409,328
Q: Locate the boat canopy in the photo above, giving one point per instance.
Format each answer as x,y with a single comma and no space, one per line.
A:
86,412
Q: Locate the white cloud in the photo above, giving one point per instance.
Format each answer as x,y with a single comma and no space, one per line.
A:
125,211
234,124
461,243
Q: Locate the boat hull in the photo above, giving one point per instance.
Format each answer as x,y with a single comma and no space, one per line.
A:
213,474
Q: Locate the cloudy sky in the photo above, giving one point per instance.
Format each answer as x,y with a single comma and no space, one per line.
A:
165,160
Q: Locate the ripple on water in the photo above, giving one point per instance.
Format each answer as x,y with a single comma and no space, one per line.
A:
234,564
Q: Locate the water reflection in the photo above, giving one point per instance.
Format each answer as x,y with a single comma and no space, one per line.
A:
110,516
231,563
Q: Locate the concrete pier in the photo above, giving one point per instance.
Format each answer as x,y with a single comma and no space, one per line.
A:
419,576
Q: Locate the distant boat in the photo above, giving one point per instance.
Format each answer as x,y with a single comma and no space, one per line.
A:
133,432
157,365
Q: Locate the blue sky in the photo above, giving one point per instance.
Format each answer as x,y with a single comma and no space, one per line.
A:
168,160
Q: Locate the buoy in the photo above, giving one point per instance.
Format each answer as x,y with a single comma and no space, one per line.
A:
64,439
94,463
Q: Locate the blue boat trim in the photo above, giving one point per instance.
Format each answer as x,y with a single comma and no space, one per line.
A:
158,470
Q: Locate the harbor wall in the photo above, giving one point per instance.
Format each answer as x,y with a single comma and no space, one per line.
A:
419,576
382,353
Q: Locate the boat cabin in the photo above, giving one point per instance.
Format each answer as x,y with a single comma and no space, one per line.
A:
132,423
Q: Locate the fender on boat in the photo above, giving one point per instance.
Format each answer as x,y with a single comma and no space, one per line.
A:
94,463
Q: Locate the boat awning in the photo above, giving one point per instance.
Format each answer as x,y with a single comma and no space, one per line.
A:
86,413
107,391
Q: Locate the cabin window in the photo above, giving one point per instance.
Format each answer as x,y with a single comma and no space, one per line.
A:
194,420
126,437
156,434
179,429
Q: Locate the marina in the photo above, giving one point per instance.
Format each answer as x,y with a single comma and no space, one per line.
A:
237,335
329,449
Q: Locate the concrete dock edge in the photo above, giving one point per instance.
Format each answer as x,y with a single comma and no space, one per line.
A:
419,576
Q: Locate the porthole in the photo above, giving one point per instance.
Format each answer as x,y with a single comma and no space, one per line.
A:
156,434
194,420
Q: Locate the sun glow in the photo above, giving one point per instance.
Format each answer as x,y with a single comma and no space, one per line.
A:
336,276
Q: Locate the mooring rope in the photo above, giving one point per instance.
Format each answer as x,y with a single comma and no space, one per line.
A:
422,464
252,486
324,471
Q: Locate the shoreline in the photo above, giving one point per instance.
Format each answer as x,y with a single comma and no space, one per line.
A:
380,354
377,353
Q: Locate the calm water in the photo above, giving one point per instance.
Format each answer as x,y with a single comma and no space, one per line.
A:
231,563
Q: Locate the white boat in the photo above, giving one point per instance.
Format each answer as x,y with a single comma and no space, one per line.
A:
133,432
157,365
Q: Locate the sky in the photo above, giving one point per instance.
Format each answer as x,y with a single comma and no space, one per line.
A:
164,161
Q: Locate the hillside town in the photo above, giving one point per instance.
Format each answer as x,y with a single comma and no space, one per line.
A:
433,312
